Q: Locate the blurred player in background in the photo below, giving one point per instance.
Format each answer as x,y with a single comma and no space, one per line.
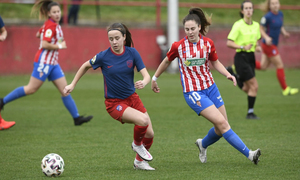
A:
199,89
4,124
244,37
46,61
271,25
122,102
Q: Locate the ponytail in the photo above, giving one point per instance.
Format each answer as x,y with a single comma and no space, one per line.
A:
199,16
44,7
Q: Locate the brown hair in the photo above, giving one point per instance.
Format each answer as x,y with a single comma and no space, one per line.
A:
124,30
44,7
265,6
199,16
242,7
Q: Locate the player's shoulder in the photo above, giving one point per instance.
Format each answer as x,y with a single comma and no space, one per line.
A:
255,23
50,24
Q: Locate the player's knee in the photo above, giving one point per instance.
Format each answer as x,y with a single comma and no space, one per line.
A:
144,120
29,90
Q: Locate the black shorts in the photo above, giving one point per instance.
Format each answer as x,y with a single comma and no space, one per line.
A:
244,65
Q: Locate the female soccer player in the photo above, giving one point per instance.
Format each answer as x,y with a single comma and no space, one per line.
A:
122,103
46,61
244,37
271,25
199,89
4,124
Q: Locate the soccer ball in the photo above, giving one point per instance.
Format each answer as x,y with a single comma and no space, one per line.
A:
52,165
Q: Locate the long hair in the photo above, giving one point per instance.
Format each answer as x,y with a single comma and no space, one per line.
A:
200,18
265,6
242,7
124,30
43,6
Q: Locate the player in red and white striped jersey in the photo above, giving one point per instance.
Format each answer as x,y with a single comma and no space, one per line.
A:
46,61
199,89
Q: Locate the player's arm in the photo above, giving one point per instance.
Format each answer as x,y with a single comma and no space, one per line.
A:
3,33
233,45
264,35
221,69
146,79
161,68
82,70
284,32
49,46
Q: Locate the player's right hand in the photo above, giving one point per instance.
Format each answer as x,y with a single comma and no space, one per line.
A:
68,89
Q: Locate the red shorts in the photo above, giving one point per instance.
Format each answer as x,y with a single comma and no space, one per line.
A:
270,51
116,107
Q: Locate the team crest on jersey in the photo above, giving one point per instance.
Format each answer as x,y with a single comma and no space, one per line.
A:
204,48
48,33
130,63
94,59
119,108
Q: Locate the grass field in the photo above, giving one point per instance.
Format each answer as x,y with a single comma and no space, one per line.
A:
101,148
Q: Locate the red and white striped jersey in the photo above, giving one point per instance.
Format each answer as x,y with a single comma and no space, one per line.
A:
52,33
194,62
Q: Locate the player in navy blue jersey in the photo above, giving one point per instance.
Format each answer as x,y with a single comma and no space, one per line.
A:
46,64
271,25
3,34
118,63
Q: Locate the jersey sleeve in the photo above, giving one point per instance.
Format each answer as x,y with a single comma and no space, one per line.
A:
234,32
173,52
213,53
49,33
96,60
138,60
263,21
1,23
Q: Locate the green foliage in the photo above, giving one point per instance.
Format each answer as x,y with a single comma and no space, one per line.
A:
135,14
101,148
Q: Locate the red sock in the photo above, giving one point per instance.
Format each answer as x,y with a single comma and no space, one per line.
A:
257,65
139,133
147,142
281,78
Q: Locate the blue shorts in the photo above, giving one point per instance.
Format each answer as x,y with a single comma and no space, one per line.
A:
200,100
43,71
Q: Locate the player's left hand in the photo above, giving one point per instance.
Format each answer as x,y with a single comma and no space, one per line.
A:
232,78
139,84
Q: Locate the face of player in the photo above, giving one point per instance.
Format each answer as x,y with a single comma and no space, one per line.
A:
191,29
274,6
247,10
55,13
116,40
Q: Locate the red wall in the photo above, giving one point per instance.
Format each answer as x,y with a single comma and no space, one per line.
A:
18,50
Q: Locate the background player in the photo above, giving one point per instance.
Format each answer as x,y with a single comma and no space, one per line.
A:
243,37
199,89
271,25
122,102
3,34
45,62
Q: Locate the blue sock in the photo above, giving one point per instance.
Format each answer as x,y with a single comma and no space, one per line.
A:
70,105
236,142
210,138
15,94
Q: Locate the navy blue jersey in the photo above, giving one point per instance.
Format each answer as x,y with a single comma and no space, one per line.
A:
1,23
118,71
273,23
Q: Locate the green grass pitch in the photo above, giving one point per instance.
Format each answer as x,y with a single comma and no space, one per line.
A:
101,149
